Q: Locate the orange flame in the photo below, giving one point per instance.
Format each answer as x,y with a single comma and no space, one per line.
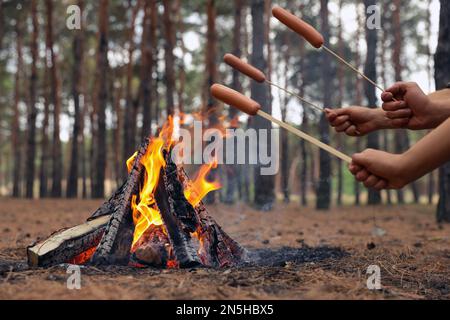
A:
196,190
145,213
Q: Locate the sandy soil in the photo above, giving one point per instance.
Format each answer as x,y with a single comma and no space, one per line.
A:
413,254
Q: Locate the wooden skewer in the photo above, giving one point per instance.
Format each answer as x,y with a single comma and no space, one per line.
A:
260,77
314,38
251,107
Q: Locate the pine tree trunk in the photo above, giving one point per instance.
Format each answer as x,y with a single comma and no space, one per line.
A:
78,55
169,58
56,102
442,68
129,114
341,84
370,92
98,189
264,184
43,170
234,178
147,44
285,172
324,188
2,24
16,134
32,111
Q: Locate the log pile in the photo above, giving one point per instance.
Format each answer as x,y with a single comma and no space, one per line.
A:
189,236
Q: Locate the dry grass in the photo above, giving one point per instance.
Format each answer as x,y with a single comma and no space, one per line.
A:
414,256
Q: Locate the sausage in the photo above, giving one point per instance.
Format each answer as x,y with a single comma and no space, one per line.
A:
234,98
298,25
244,67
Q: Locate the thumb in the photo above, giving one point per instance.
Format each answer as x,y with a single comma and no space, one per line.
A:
361,159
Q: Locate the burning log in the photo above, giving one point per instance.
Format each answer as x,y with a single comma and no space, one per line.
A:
150,220
67,244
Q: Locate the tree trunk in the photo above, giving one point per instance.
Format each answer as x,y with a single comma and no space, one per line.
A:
234,178
16,134
324,188
98,189
441,76
169,57
148,43
264,184
129,138
32,111
2,24
56,102
370,70
304,126
78,55
341,84
283,133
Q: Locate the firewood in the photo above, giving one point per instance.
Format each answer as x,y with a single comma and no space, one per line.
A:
66,244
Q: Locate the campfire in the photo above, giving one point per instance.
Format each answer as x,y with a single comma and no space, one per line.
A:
156,218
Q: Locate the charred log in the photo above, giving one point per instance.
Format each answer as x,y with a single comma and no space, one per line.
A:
65,245
114,248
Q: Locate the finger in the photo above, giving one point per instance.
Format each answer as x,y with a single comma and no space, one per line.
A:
354,168
371,181
402,113
387,96
362,175
339,120
331,116
394,105
343,126
397,88
351,131
382,184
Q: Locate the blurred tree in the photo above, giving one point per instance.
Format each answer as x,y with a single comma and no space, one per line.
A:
339,102
324,188
264,184
129,123
16,132
441,76
32,110
77,68
101,99
148,42
169,58
56,102
370,91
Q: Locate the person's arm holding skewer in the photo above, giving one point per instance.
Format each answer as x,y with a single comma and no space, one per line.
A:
414,110
381,170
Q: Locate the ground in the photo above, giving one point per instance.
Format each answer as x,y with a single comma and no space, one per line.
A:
412,251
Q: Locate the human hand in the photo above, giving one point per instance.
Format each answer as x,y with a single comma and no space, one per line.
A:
358,121
411,99
380,170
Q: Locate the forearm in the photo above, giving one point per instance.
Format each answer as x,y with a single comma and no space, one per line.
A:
429,153
441,107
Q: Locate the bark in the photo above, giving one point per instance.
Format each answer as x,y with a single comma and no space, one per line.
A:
370,70
16,134
119,165
324,189
284,134
56,102
102,100
78,60
211,78
129,129
32,110
234,178
264,184
304,126
43,170
441,76
2,24
340,100
148,43
169,58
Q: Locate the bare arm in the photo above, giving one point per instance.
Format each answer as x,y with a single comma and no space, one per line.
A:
379,169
